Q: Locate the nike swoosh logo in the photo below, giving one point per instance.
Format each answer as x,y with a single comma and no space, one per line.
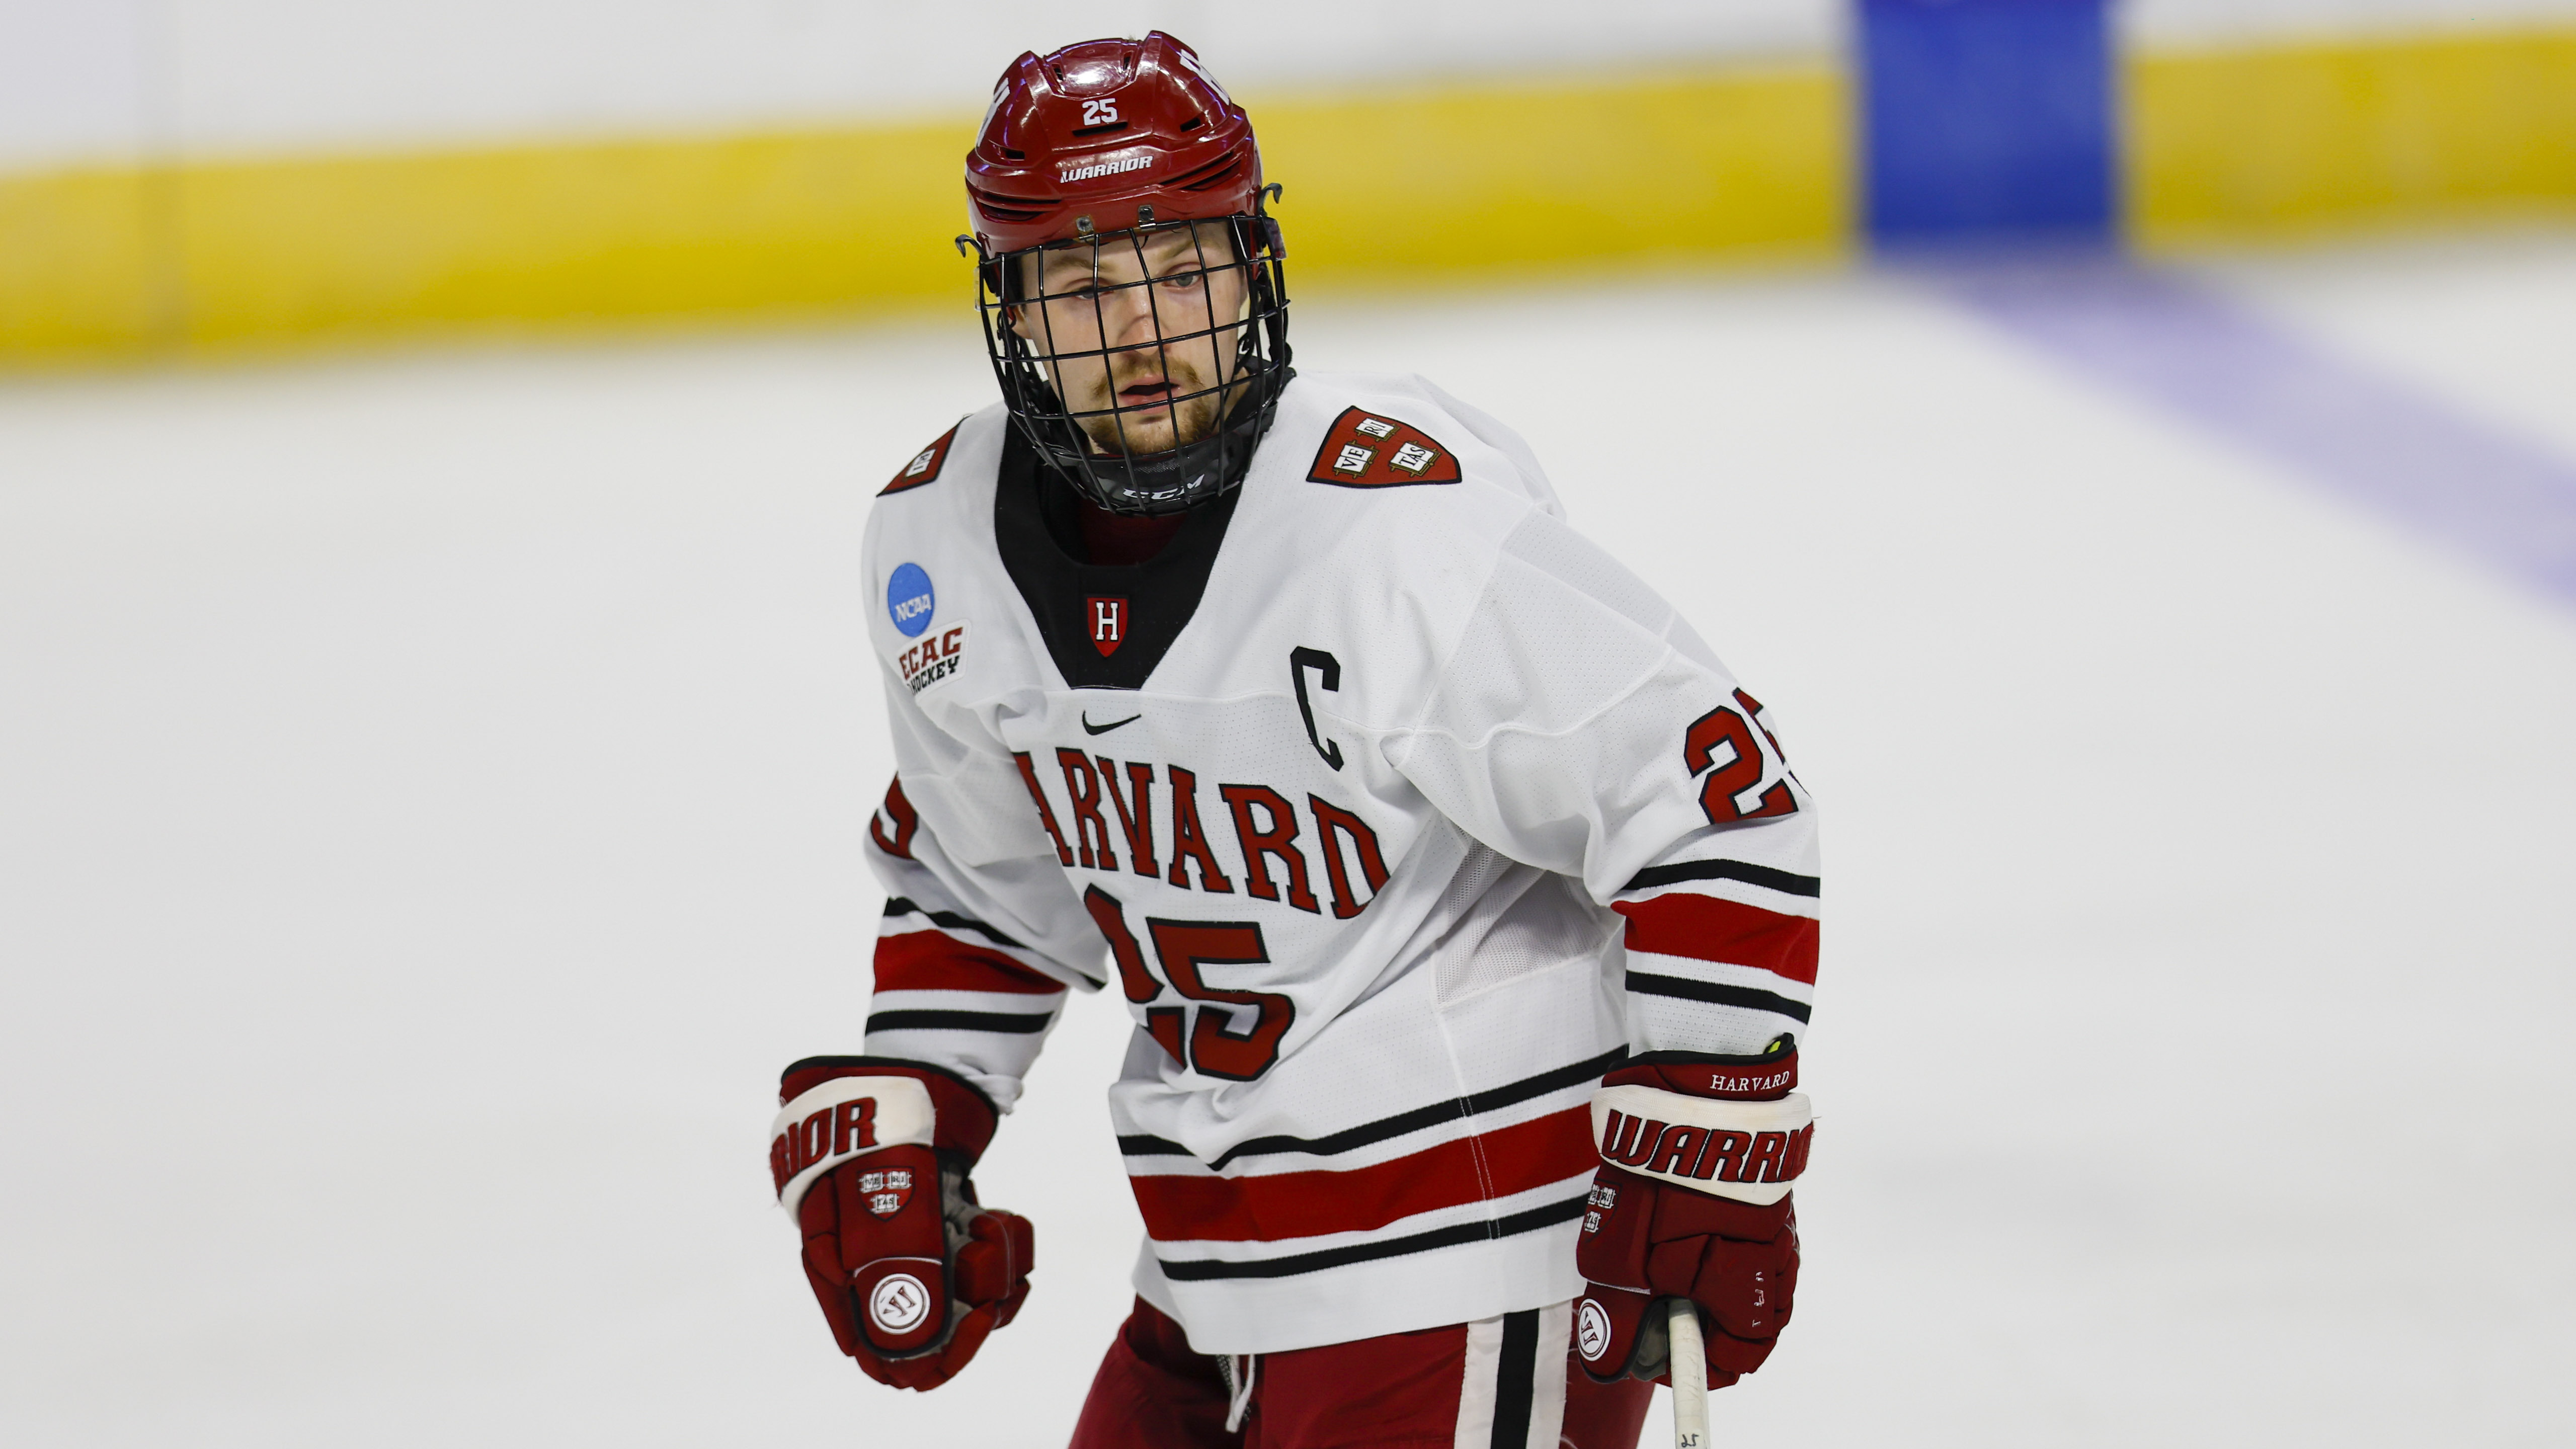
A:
1092,729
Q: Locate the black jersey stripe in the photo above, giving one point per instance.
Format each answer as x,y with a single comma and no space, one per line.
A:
1349,1138
1686,989
1515,1380
905,906
1788,883
1017,1023
1200,1270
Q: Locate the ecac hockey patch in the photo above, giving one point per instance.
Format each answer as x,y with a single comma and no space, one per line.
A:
933,659
925,465
1363,450
910,600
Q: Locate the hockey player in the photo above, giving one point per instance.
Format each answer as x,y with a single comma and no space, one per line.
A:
1464,903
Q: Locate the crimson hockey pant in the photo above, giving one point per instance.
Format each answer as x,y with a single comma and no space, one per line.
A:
1503,1383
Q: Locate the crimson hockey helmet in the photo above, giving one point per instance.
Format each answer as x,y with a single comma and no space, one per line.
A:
1131,288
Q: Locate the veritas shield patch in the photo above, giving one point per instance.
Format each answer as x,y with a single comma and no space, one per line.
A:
886,1192
924,467
1363,450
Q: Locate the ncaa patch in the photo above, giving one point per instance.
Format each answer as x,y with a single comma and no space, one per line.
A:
909,599
925,465
1363,450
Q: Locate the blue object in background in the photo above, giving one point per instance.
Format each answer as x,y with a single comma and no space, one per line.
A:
1986,120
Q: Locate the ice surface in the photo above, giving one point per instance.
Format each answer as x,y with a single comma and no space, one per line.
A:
431,793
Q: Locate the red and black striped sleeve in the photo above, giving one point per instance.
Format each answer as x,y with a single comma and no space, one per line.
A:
953,989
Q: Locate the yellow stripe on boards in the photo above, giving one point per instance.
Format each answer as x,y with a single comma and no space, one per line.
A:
1399,183
1405,183
84,267
2296,139
230,254
799,222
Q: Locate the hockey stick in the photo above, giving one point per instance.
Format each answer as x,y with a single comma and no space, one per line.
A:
1690,1378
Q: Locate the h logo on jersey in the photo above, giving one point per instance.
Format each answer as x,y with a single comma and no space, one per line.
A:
1108,624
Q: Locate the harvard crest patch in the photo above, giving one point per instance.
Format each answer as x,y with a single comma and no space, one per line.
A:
925,465
886,1192
1108,623
1363,450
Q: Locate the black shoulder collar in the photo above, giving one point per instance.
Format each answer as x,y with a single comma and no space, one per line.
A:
1106,626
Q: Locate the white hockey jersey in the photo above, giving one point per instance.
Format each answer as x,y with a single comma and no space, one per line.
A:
1398,813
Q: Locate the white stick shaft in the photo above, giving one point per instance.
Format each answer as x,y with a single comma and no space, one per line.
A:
1690,1378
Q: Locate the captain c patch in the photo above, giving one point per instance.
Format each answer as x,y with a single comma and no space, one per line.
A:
925,465
1363,450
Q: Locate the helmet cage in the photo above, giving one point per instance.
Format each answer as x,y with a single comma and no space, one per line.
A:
1124,480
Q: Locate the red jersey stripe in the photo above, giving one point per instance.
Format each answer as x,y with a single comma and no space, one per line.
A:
936,961
1705,928
1270,1209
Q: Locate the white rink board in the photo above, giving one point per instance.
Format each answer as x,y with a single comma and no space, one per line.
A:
431,793
106,81
104,78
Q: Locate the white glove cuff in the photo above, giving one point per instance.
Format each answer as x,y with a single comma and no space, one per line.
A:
1749,1151
843,1118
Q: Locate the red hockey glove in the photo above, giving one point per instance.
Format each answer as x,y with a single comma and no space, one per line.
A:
1691,1201
870,1158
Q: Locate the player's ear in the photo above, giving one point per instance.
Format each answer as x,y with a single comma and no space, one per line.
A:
1011,279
